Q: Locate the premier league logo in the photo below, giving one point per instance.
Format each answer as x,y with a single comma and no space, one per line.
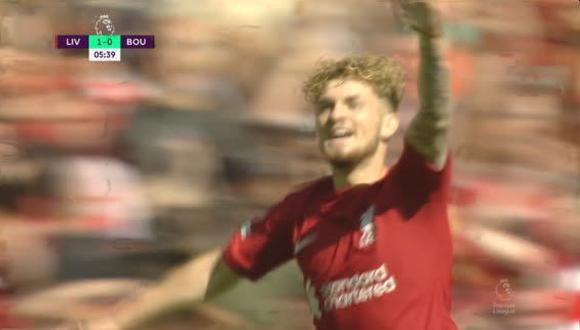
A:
104,25
503,302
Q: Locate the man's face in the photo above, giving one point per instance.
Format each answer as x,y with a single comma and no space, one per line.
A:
349,115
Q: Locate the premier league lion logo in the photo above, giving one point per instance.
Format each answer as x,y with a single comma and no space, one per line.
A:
104,25
503,290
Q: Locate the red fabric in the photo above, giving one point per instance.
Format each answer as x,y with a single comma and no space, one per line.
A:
115,93
7,321
575,313
36,131
461,67
401,280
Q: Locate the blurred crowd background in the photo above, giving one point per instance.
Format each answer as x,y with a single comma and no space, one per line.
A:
113,173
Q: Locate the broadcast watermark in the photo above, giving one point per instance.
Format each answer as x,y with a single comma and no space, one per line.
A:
503,303
104,24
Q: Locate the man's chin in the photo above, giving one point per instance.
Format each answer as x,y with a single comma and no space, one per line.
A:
341,160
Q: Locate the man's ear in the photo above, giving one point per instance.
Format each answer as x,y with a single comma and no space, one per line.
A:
389,125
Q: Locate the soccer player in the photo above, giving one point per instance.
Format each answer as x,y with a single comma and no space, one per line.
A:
373,243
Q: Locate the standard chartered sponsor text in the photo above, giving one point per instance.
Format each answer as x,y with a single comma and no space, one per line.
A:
358,288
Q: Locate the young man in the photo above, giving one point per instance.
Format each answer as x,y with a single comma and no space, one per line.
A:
373,243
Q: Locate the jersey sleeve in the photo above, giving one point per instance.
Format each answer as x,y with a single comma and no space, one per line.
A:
420,182
264,243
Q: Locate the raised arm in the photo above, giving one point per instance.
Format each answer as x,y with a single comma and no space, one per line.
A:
427,132
201,278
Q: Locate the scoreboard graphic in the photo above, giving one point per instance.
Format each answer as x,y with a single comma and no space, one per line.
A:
104,47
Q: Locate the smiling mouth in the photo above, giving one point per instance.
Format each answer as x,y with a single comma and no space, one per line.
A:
338,138
340,135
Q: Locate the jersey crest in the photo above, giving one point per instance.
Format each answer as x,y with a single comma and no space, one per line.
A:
367,228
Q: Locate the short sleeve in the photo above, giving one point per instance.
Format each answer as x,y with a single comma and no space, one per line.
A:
415,167
261,245
419,182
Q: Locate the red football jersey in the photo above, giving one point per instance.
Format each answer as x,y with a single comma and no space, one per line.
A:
373,256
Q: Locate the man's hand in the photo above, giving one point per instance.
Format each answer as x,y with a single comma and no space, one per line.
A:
421,16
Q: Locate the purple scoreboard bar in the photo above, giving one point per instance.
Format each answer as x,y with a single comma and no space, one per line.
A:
69,41
81,41
137,41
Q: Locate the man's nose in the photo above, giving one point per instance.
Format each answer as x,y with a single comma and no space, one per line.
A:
338,112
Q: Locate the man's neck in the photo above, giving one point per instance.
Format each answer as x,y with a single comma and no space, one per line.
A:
367,171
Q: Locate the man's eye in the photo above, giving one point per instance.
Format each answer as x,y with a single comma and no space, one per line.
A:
324,106
354,105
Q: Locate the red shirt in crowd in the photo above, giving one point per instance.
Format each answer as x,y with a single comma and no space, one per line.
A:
373,256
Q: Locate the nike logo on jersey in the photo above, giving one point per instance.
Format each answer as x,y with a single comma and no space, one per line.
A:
304,242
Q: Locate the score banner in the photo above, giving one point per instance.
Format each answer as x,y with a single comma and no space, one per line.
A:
104,47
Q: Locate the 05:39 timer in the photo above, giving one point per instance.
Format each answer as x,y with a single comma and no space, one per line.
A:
104,54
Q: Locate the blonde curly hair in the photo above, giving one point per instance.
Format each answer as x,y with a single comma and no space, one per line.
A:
386,76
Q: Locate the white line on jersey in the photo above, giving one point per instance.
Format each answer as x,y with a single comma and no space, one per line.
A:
304,242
